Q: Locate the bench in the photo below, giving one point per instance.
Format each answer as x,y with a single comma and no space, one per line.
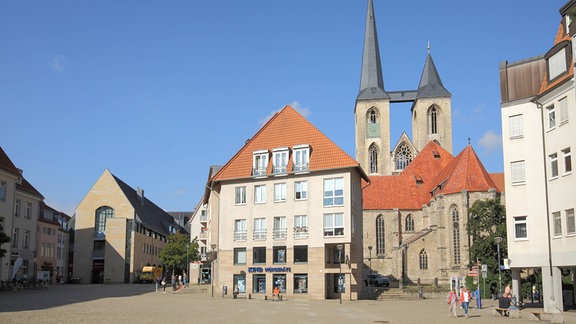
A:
534,316
497,311
512,313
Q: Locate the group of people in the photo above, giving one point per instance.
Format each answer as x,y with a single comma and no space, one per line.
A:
463,298
177,282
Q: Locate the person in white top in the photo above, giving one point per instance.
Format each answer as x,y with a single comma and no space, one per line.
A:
465,300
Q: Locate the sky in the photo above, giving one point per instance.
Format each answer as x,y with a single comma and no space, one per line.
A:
157,91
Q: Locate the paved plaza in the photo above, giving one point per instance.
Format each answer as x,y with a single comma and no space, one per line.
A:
139,303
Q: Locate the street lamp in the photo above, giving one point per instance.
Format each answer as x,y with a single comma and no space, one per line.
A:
212,258
498,240
340,247
187,264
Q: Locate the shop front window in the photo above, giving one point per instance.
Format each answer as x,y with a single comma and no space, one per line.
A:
339,280
240,282
280,282
259,283
300,283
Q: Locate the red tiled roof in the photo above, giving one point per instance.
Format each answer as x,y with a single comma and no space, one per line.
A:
404,191
466,172
287,128
437,169
498,179
6,164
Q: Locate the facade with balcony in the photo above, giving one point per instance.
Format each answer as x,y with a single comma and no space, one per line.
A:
286,212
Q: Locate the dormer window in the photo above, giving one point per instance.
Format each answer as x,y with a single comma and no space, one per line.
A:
301,158
260,163
280,160
558,60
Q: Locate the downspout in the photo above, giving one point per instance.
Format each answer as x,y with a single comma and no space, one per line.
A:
540,106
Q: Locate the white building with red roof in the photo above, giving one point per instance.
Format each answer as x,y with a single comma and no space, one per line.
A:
286,211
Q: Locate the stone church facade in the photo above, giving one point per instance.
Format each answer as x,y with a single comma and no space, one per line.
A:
415,205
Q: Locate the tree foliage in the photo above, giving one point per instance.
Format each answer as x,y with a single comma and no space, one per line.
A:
3,238
173,255
488,221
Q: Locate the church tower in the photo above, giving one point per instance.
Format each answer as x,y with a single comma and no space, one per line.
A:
432,110
372,111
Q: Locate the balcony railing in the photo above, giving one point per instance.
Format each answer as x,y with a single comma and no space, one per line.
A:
240,235
203,235
259,234
280,234
300,167
258,172
204,218
279,169
300,232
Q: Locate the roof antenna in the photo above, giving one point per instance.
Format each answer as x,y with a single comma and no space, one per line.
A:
468,141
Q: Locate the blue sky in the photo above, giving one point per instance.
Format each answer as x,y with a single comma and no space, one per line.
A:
157,91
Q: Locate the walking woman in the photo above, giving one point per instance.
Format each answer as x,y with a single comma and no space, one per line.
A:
452,303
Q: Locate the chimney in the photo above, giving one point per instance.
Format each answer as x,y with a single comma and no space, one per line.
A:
140,192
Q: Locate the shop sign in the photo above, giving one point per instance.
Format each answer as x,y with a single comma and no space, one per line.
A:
269,269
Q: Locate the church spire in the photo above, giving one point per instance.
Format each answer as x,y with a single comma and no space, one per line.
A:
430,84
371,79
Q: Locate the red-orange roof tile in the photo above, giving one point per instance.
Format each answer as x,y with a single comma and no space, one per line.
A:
437,171
287,128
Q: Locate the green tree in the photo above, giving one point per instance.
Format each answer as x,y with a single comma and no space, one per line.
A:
3,238
173,254
488,221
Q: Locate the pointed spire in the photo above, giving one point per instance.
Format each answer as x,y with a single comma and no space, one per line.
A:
430,84
371,79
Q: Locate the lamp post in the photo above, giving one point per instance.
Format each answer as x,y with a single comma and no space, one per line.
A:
340,247
212,258
498,240
187,264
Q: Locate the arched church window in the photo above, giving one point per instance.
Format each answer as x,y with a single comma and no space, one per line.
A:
373,156
102,214
372,123
380,235
403,157
409,223
372,116
423,260
433,120
455,234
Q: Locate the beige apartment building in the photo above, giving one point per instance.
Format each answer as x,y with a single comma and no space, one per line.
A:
117,232
539,133
19,208
286,212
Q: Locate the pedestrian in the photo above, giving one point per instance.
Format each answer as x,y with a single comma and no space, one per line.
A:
157,282
507,293
465,300
478,299
163,285
452,302
276,293
173,281
236,291
185,279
